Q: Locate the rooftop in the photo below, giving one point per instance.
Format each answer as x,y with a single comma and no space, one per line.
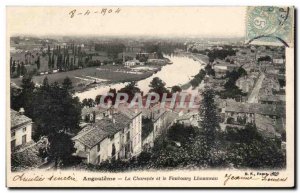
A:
265,126
18,119
263,109
101,129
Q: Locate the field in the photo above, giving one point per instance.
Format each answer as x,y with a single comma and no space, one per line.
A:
86,77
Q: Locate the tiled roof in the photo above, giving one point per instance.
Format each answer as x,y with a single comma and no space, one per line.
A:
129,113
102,129
273,98
264,109
157,115
18,120
187,116
89,110
265,126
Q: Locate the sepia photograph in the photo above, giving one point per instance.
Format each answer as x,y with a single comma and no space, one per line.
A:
150,96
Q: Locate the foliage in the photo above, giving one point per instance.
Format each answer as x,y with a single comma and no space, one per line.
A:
231,90
88,102
58,101
130,89
182,134
158,86
209,118
220,53
238,135
249,149
264,58
153,47
175,89
198,78
112,49
61,148
209,70
147,127
25,98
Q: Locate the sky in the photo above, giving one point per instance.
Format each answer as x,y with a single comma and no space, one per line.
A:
130,21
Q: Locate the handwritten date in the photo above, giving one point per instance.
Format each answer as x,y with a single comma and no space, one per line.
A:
87,12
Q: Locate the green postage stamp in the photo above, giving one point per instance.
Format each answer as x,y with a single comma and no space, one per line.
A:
270,25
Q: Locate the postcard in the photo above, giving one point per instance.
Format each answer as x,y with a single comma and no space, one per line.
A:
150,97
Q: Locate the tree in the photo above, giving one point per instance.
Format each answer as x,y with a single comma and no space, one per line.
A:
158,86
249,149
147,127
198,78
61,148
18,70
52,61
130,89
13,68
23,70
88,102
67,85
176,89
97,99
38,63
58,101
183,134
49,62
209,70
25,99
11,65
209,119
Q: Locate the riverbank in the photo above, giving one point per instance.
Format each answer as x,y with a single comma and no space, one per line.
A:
87,78
180,72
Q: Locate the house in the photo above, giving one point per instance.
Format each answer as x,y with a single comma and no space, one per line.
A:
117,136
222,67
236,110
21,128
246,83
161,121
220,72
158,118
278,61
131,63
91,114
266,126
271,99
189,119
269,119
157,61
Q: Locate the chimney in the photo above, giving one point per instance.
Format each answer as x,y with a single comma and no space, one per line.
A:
21,111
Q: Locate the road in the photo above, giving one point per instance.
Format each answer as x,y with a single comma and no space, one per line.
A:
253,98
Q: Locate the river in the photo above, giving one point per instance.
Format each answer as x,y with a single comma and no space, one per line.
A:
181,71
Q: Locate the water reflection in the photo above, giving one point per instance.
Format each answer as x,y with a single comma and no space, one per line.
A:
179,72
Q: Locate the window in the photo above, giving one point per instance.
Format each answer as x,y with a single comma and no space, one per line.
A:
85,148
23,139
98,147
13,144
13,134
24,129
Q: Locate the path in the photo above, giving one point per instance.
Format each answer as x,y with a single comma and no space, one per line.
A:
253,98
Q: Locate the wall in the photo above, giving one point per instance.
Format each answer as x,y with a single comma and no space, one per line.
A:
136,135
19,133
